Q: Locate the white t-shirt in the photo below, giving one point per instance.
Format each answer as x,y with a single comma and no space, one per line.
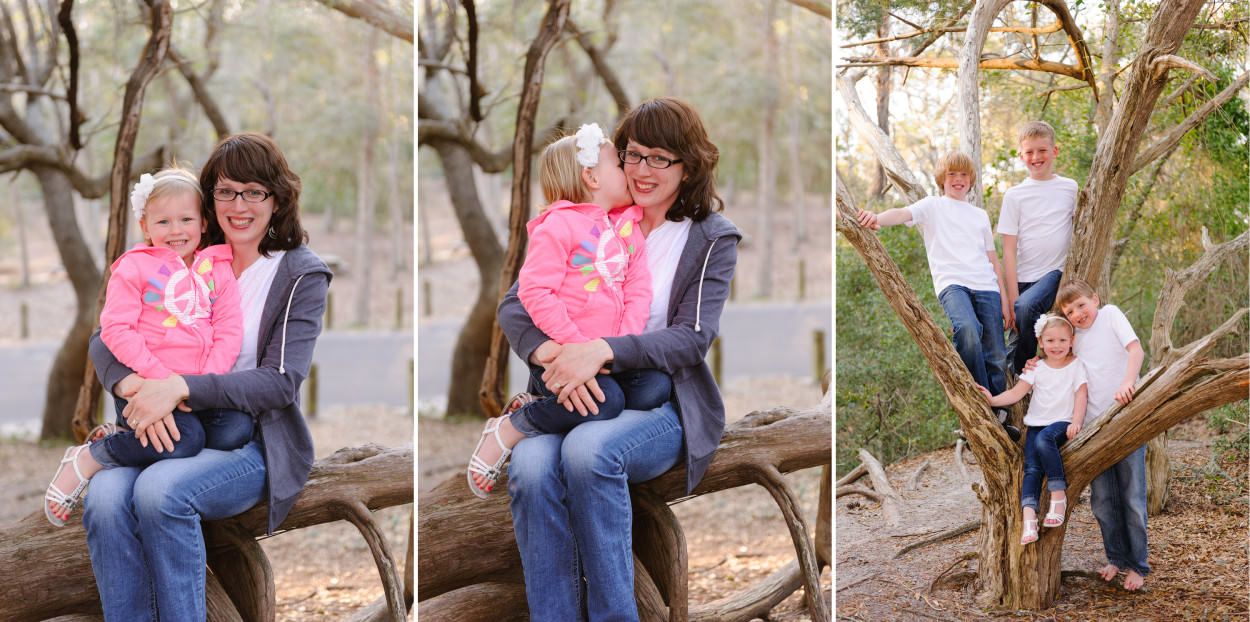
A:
957,237
1102,348
1040,214
254,286
664,246
1054,392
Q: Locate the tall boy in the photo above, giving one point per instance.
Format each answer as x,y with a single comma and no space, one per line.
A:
1036,225
1112,354
964,264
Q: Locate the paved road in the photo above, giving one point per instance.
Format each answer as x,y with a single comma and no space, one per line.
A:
355,368
759,339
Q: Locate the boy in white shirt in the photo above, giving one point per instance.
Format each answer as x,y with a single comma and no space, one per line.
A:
966,272
1113,355
1036,225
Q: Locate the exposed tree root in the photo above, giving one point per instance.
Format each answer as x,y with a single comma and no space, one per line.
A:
945,535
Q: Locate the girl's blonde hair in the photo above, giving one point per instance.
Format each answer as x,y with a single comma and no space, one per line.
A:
175,180
1055,320
956,161
560,174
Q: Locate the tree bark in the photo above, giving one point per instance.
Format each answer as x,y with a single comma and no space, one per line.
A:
766,185
879,179
363,298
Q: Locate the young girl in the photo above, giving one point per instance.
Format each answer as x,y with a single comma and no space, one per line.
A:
1055,415
169,308
584,277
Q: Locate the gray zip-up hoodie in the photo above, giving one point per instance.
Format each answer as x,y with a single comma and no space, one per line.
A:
289,326
700,289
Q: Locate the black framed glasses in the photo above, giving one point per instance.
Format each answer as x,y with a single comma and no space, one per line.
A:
226,195
654,161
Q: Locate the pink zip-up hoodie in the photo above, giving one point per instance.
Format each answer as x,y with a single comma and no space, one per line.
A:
585,275
160,317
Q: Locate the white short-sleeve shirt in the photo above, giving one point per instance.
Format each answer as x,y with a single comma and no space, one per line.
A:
1039,214
957,238
1102,348
665,244
254,286
1054,392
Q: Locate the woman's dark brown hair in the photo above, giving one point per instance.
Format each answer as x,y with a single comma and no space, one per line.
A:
673,124
248,158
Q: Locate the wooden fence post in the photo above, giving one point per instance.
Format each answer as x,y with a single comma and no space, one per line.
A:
716,361
310,410
802,278
399,308
818,354
329,317
25,322
427,303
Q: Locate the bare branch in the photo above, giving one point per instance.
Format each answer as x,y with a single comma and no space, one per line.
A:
1040,30
34,90
202,94
1172,297
25,156
1180,90
816,6
1162,64
862,491
610,80
1072,71
895,168
377,14
1174,135
71,39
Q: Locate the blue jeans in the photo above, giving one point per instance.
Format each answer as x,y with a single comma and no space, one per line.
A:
143,529
572,516
1035,299
217,428
641,389
1118,499
977,318
1041,457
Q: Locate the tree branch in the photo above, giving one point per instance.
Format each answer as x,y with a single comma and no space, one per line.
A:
71,95
1161,64
202,94
377,14
610,80
1174,135
895,168
1039,30
1172,296
1071,71
816,6
24,156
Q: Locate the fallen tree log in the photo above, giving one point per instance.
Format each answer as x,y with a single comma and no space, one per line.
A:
346,485
755,450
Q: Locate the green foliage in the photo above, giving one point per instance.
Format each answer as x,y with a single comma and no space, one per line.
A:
887,400
1230,422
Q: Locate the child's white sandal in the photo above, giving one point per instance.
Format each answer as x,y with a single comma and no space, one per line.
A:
1030,531
67,501
1053,518
489,472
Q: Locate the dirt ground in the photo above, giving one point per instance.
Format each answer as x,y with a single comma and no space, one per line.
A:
1197,548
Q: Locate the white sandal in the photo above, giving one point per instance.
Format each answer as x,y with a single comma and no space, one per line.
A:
477,466
1030,531
55,495
101,431
1053,518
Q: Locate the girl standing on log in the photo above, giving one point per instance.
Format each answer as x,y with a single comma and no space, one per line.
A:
1055,415
570,492
143,525
585,276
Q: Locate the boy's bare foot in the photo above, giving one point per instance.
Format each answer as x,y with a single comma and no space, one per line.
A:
1133,581
1108,572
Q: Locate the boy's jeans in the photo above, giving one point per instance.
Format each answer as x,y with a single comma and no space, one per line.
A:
977,319
1118,499
1041,457
572,515
1035,299
641,389
217,428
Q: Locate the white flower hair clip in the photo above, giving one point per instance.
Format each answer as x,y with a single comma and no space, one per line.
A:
1041,323
589,137
139,196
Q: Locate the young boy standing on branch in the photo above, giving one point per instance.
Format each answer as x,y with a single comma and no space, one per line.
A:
966,272
1036,225
1113,355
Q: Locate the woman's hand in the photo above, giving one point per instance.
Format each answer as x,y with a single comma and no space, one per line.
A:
150,411
572,372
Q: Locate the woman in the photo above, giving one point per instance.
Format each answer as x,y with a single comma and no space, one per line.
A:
570,493
143,525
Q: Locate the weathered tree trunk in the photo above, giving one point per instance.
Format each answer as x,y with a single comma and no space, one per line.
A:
766,185
364,186
450,519
366,477
1158,475
879,179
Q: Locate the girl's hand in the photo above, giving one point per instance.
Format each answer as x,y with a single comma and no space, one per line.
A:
986,392
153,405
1030,364
1074,428
1124,394
545,353
868,220
128,386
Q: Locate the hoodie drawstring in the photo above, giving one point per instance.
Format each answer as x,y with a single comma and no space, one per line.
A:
698,305
286,318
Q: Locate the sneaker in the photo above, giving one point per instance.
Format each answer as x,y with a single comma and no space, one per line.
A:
1012,431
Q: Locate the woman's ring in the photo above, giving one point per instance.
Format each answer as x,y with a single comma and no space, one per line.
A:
557,386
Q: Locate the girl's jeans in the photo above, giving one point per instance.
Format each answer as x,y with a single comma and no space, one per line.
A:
641,389
977,320
217,428
143,529
1118,499
572,516
1041,457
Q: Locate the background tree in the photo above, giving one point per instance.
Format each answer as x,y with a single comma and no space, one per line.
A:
1179,385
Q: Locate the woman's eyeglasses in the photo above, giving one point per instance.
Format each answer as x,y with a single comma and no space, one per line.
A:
654,161
226,195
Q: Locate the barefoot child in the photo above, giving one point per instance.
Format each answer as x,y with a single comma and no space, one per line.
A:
584,277
1055,415
1036,225
1113,355
169,308
967,275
